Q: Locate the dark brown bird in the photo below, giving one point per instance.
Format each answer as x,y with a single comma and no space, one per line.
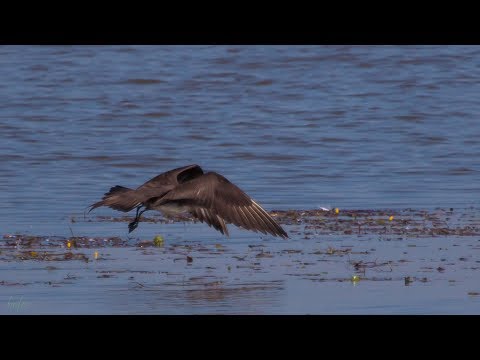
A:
208,197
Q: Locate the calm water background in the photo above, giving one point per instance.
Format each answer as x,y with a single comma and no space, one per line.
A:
297,127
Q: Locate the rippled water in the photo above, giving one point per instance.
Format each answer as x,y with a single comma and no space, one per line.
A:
297,127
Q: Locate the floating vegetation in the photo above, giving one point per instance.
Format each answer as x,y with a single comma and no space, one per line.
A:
404,222
378,266
410,279
74,242
50,256
158,241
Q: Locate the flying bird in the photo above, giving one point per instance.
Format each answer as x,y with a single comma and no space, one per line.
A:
208,197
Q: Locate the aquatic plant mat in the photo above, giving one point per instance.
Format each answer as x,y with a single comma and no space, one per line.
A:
378,252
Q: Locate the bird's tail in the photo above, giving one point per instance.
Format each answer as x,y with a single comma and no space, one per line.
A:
119,198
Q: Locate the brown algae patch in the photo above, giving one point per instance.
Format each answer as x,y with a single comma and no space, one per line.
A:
402,222
30,242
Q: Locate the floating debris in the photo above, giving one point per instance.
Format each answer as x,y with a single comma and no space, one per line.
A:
355,279
158,241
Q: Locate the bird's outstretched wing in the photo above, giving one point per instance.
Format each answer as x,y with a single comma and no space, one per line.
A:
215,200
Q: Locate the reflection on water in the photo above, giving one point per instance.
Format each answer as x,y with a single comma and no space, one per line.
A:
215,297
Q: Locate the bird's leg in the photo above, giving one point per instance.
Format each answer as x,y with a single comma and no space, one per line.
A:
133,225
138,209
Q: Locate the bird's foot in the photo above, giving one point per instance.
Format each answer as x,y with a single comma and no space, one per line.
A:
132,226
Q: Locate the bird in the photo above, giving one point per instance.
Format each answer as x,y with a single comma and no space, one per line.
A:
207,196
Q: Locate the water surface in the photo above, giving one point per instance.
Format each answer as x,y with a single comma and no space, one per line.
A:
297,127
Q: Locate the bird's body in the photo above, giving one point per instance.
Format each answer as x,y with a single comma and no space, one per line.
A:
208,197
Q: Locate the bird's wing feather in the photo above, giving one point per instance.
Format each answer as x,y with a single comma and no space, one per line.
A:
209,217
219,198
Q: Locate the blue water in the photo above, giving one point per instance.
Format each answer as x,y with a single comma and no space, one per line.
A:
296,127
